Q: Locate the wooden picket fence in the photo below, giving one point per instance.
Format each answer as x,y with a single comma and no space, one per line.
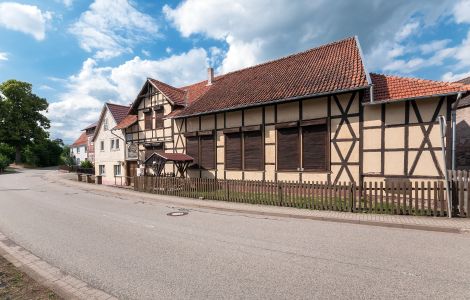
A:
426,198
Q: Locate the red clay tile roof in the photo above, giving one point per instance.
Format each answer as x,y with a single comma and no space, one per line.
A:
93,125
82,140
332,67
196,90
396,88
172,156
175,95
119,112
126,122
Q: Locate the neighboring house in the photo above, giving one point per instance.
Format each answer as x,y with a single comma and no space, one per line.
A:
463,131
78,150
90,131
109,143
315,115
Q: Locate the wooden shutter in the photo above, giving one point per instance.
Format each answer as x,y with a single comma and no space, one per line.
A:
315,147
207,151
148,120
233,151
192,149
159,118
253,155
288,149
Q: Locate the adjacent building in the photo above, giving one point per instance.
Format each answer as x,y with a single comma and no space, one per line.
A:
90,131
79,148
318,115
463,131
109,143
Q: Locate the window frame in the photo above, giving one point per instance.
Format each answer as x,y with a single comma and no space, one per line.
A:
102,170
243,131
101,145
148,120
118,167
159,114
197,135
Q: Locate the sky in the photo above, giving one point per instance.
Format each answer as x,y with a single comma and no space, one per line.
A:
80,54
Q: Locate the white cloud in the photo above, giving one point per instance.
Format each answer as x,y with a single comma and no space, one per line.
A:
113,27
67,3
87,91
449,76
146,53
3,56
434,46
254,33
25,18
45,87
462,11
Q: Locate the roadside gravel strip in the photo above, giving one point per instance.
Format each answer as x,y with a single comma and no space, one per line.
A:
66,286
439,224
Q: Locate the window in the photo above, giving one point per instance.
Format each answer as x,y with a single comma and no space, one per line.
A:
202,149
105,125
112,144
288,149
247,155
233,151
117,144
102,145
117,170
101,169
207,158
78,161
192,149
310,140
85,148
148,120
78,149
253,150
314,147
159,122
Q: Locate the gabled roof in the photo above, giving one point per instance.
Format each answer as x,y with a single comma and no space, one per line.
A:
464,81
174,94
393,88
126,122
82,140
329,68
118,112
93,125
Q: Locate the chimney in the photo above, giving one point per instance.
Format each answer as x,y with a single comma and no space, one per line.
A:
210,76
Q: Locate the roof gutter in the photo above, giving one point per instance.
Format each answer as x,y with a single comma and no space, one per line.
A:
271,102
369,80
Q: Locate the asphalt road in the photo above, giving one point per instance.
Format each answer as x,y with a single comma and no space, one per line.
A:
133,250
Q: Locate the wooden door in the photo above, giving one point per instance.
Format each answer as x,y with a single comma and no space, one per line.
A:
131,172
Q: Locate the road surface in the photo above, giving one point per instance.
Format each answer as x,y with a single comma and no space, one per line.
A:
131,249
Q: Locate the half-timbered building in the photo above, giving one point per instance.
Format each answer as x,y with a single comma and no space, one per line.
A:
315,115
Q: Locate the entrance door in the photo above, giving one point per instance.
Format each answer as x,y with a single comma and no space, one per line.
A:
131,172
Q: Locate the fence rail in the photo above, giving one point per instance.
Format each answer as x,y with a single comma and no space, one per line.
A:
427,198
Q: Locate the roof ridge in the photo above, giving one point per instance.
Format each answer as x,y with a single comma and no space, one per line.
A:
420,79
164,83
115,104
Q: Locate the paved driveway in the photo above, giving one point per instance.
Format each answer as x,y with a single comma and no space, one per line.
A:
130,248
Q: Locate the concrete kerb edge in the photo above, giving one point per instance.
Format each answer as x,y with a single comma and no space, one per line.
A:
153,197
38,271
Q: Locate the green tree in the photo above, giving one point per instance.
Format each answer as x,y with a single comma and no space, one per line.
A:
21,119
43,153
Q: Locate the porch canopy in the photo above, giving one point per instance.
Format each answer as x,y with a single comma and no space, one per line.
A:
157,161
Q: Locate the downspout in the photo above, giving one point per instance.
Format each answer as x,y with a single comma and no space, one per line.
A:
442,125
455,105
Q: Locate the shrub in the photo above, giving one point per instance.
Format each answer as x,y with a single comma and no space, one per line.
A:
4,162
7,151
86,164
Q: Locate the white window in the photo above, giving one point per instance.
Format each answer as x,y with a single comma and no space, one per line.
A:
85,149
105,126
102,170
102,145
117,170
112,144
78,149
117,144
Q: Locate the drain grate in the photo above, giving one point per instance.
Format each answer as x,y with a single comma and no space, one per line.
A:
177,213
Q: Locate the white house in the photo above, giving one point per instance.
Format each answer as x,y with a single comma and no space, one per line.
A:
79,149
110,144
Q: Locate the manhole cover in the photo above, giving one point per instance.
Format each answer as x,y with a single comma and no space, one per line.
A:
177,213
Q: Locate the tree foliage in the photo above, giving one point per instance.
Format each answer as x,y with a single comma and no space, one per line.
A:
43,153
21,120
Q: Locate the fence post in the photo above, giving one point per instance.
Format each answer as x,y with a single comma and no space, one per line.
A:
279,192
352,196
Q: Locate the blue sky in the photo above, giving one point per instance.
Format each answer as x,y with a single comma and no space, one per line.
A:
80,54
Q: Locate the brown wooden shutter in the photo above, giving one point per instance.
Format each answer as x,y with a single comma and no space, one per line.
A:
207,152
159,118
315,147
233,151
192,149
253,155
148,120
288,149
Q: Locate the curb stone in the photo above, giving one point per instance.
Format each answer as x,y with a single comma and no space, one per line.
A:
257,209
64,285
